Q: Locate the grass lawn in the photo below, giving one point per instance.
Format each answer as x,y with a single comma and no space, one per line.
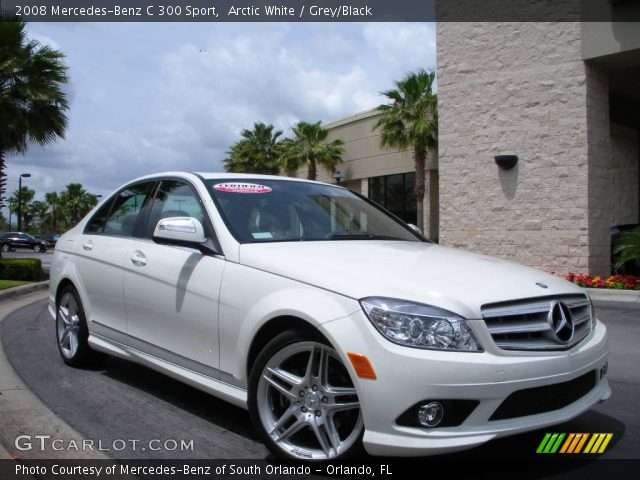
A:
4,284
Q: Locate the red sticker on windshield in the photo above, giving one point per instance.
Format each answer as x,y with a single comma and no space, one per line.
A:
241,187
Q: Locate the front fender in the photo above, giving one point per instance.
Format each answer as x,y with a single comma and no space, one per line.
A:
244,311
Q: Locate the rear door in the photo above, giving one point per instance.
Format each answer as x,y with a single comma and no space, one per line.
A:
171,293
100,253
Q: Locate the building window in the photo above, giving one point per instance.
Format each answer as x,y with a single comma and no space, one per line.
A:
396,193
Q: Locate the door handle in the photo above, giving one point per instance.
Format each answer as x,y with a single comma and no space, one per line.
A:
88,245
138,258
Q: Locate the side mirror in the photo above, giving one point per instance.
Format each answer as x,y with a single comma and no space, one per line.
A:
183,231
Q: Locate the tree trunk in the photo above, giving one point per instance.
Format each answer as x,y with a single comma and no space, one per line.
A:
312,171
419,157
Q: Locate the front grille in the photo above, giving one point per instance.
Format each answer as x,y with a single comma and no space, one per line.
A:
545,399
525,325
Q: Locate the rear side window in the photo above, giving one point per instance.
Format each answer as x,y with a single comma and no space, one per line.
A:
122,216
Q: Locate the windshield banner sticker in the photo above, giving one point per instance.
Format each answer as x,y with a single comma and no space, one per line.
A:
241,187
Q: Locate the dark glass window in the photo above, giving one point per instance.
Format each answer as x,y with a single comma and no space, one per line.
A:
174,199
266,210
121,215
397,194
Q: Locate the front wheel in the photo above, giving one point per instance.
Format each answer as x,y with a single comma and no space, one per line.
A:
71,330
37,248
6,248
302,400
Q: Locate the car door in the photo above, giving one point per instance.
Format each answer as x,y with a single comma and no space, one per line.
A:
23,240
99,255
171,293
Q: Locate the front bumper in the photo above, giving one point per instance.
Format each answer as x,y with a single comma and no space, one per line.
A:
406,376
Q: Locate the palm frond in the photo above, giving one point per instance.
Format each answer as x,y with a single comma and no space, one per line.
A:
628,247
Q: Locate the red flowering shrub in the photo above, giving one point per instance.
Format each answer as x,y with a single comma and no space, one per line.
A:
618,282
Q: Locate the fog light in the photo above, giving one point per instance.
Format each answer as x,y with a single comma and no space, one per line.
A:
431,414
603,370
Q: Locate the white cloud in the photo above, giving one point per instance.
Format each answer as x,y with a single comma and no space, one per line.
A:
176,96
403,47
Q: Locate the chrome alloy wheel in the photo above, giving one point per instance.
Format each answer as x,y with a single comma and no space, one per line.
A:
68,325
307,403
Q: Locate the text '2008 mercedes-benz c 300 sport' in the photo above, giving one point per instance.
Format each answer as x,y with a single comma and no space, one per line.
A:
333,322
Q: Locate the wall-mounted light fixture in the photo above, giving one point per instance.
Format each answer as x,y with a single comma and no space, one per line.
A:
337,176
506,162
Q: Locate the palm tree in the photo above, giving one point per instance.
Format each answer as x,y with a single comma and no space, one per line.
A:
77,201
628,248
37,212
410,120
54,204
32,103
25,195
309,147
257,152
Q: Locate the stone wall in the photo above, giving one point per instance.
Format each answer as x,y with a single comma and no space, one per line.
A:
515,89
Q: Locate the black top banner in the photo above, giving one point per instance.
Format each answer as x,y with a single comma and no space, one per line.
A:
323,10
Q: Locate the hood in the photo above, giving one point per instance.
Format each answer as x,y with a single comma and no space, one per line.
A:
456,280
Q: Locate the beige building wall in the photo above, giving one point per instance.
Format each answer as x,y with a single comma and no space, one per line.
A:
363,157
526,89
515,89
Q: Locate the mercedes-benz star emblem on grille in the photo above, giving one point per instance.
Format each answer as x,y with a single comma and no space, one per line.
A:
561,322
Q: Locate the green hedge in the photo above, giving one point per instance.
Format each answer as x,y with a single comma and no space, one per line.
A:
20,269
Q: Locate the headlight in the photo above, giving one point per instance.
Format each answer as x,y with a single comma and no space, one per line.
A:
420,326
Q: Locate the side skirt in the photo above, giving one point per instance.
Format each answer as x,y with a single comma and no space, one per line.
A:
232,394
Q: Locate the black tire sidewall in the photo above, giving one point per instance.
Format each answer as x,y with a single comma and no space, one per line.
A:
83,355
279,342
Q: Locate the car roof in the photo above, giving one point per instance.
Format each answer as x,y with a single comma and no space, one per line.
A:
226,176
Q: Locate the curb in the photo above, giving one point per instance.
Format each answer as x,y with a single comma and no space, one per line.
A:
611,295
22,411
17,292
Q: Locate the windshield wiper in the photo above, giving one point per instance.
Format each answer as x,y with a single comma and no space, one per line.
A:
359,236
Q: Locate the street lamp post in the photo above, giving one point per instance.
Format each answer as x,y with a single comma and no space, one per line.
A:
25,175
10,208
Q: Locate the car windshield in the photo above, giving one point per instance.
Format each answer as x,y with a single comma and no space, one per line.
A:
279,210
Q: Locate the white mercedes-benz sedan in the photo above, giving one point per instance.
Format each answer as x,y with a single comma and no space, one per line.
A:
333,322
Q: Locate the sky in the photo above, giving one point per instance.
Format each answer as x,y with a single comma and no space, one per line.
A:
153,97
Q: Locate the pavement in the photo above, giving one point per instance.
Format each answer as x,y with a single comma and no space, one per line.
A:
23,411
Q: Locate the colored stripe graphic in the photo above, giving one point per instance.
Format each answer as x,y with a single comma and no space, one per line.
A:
543,443
550,443
567,443
574,443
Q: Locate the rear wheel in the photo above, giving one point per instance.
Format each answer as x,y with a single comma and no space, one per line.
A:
302,400
6,248
71,330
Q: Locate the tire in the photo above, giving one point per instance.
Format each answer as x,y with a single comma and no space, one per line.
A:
72,332
302,401
6,248
37,248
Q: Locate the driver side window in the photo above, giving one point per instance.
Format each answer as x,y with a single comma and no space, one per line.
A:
174,198
121,216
